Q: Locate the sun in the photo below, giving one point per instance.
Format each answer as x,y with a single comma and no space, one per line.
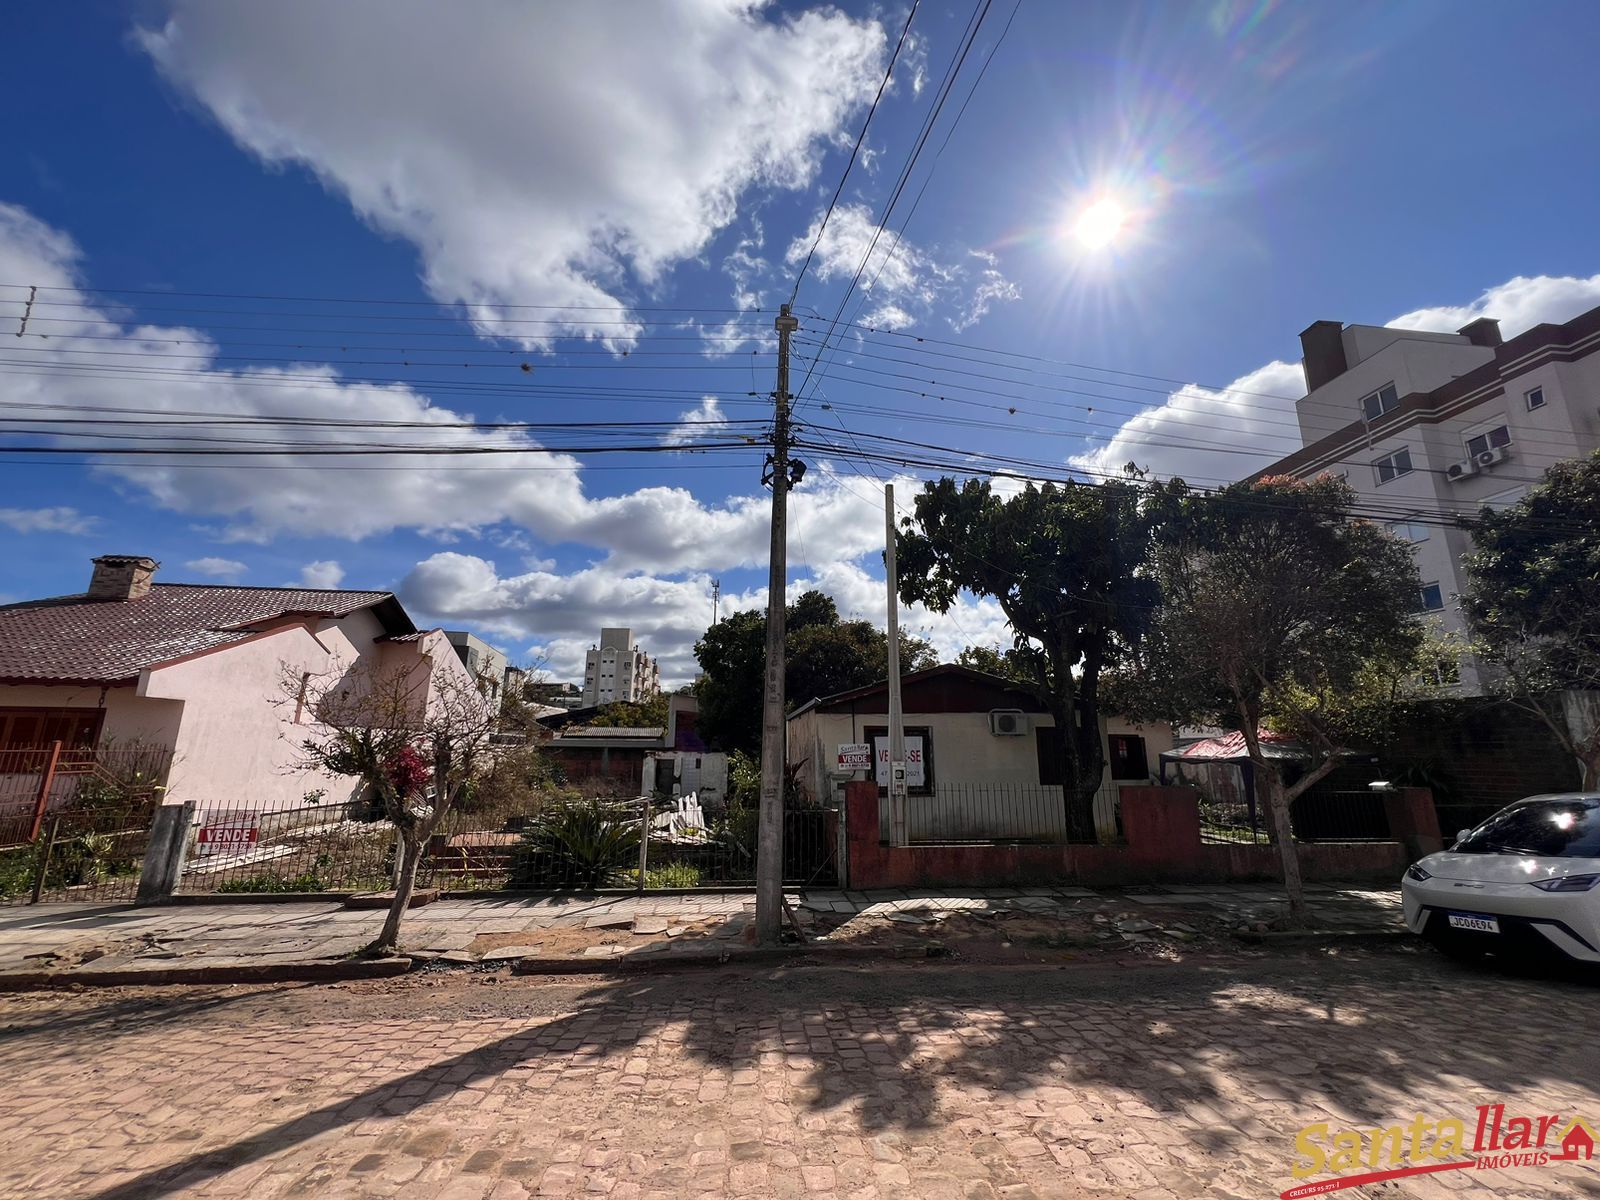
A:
1101,223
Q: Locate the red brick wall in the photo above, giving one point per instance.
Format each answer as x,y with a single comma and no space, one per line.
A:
1163,835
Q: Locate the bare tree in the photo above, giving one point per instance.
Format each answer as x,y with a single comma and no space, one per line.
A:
415,736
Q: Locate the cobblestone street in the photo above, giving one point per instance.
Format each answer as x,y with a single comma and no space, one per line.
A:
933,1081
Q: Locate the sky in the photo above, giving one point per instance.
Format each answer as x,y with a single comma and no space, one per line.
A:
546,243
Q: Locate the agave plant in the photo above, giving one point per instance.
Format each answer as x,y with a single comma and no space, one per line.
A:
587,843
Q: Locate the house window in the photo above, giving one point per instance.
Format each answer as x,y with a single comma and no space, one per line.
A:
1047,748
1409,530
27,728
919,758
1384,400
1127,756
1505,499
1489,439
1431,598
1535,398
1392,466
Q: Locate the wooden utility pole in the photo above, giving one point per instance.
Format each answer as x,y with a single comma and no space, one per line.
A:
897,724
769,844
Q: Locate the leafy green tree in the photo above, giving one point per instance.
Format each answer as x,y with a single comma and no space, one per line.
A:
649,713
1063,563
823,655
1533,601
1280,610
992,660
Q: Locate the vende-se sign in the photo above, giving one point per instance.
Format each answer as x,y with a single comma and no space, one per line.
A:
229,834
855,756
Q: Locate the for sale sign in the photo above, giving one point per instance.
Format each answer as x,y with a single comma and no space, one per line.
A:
855,756
229,833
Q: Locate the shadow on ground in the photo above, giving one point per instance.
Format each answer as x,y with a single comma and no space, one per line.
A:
1355,1033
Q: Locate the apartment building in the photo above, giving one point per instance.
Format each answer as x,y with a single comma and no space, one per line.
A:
484,662
617,669
1429,426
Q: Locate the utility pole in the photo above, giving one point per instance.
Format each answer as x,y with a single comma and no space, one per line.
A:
897,724
769,844
716,595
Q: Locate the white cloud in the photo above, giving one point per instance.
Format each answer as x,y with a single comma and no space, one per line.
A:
60,519
586,149
1217,436
902,283
1518,304
558,616
1209,436
217,568
696,424
324,573
654,528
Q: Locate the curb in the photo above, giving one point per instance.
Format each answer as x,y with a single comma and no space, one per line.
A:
1289,937
288,972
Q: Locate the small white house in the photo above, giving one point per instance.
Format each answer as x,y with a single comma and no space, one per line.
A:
982,755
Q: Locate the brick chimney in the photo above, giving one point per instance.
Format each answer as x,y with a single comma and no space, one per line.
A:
121,577
1485,331
1322,343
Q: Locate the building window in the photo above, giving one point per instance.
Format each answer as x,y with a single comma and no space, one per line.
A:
1431,598
1535,398
1409,530
1392,466
28,728
1127,756
1489,439
1384,400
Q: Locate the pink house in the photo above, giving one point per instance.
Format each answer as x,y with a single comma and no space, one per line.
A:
197,670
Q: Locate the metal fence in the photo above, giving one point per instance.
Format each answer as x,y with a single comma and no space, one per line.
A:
314,848
74,823
645,843
1343,815
1000,812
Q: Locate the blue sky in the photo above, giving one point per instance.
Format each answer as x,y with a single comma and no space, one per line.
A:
567,187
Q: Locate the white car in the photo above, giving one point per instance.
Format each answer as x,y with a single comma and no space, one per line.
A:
1526,879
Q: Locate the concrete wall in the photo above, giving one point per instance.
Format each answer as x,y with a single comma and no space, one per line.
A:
1162,826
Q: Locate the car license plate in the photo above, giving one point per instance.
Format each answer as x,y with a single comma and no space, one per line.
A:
1475,922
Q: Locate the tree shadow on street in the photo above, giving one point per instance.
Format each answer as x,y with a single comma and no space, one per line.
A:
913,1053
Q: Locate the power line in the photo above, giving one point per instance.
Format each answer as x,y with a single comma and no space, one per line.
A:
855,150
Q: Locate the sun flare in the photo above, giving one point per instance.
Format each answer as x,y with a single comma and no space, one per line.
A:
1100,224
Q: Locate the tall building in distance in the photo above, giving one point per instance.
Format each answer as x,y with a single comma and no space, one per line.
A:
1429,427
617,669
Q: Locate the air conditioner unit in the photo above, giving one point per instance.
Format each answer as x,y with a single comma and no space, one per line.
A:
1008,722
1488,458
1464,469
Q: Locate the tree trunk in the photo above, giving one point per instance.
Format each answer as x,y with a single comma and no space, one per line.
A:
1267,779
410,855
1077,801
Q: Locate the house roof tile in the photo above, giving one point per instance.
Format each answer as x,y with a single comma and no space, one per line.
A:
73,639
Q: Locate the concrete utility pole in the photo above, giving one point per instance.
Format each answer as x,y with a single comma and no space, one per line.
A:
769,844
897,724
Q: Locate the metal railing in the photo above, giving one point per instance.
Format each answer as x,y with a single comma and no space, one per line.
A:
1344,815
339,847
1001,812
74,822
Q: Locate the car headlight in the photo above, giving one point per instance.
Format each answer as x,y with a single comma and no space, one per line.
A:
1567,883
1418,872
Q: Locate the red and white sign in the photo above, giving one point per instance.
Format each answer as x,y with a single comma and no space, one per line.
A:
232,833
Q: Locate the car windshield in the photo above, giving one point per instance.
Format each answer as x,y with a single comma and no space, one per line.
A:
1553,828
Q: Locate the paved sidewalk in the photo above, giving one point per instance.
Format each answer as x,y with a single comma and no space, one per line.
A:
82,942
